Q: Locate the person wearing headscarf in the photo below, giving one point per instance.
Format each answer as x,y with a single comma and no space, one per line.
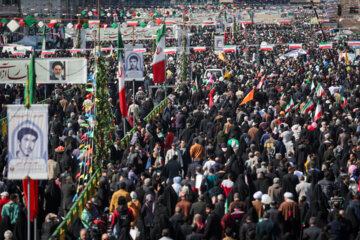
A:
135,207
176,185
147,213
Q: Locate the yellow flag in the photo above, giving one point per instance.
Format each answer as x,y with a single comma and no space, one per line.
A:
212,34
227,75
346,58
3,128
221,56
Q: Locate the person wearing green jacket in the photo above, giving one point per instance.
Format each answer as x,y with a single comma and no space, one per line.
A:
86,217
11,209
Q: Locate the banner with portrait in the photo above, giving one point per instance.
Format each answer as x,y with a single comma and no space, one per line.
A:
219,43
134,65
28,141
47,70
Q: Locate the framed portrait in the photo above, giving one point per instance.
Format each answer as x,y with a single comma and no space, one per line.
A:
134,66
57,70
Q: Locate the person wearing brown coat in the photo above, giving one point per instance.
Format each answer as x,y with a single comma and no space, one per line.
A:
274,191
290,212
257,204
197,150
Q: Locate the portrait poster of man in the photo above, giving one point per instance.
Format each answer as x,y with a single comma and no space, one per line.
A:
230,19
28,141
57,70
134,65
219,43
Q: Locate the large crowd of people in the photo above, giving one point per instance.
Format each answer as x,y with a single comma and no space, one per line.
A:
209,167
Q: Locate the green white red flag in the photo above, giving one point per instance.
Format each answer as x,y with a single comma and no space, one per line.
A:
159,57
318,112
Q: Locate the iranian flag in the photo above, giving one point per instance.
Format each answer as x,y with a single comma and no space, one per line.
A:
132,23
312,85
290,105
199,49
266,47
76,50
319,92
18,53
170,50
308,107
343,101
94,22
259,85
353,43
208,22
295,46
139,50
43,41
170,22
159,57
48,52
122,96
325,45
285,21
106,49
318,112
229,48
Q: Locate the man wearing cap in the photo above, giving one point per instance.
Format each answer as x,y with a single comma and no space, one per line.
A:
4,200
174,152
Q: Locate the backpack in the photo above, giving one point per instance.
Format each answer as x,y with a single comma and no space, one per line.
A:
123,221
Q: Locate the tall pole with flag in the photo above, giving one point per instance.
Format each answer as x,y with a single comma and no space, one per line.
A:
43,47
29,95
121,78
30,84
159,57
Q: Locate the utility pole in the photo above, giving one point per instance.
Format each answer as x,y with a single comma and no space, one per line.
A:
317,17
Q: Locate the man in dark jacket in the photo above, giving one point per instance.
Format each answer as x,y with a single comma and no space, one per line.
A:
213,228
247,230
68,191
312,232
172,169
265,229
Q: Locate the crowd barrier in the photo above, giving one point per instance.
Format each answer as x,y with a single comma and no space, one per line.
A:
92,185
78,206
158,109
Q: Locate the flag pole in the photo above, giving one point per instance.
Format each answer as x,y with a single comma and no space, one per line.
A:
133,108
119,53
35,228
28,210
165,66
